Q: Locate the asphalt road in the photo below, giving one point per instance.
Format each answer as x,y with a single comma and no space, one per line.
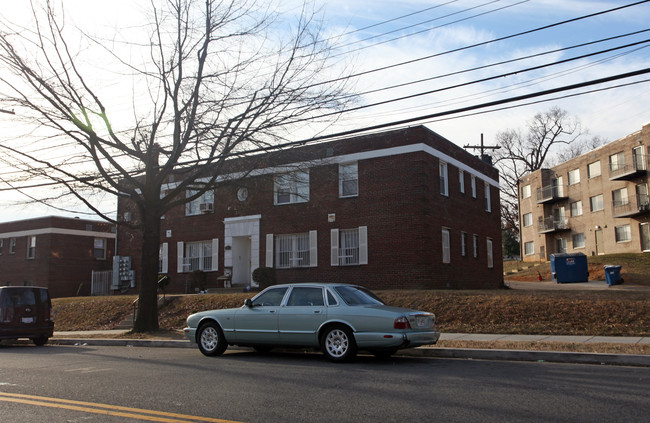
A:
117,384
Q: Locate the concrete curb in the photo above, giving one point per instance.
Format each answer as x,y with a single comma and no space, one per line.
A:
429,352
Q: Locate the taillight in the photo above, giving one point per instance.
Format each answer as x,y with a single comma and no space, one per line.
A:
402,323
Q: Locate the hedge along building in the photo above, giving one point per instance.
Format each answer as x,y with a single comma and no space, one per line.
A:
399,209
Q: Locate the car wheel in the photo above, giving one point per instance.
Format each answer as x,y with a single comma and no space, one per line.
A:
211,340
384,354
338,344
40,341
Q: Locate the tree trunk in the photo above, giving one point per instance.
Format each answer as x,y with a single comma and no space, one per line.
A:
147,316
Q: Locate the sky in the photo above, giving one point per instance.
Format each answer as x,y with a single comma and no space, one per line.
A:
435,37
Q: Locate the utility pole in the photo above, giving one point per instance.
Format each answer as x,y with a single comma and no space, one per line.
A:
486,158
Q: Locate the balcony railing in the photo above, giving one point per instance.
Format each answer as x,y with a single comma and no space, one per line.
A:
552,224
551,193
631,206
628,169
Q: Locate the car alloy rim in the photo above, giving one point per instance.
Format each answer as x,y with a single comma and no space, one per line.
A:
337,343
209,338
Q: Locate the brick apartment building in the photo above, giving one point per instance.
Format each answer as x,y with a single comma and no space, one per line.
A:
55,252
399,209
596,203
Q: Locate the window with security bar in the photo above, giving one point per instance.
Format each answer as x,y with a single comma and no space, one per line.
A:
292,251
349,247
198,256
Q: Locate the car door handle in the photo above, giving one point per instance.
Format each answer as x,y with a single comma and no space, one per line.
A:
271,311
316,311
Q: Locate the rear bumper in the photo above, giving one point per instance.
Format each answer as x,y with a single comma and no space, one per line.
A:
407,339
27,332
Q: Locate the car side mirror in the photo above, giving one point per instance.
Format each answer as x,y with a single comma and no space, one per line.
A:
248,303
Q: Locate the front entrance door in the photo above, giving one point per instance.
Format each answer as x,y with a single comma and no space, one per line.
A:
599,242
242,247
644,230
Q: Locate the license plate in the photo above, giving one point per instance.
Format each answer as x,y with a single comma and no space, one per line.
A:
27,320
421,321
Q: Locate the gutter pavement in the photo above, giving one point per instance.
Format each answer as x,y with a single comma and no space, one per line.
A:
104,338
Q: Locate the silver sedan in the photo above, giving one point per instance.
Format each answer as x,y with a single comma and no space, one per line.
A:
339,319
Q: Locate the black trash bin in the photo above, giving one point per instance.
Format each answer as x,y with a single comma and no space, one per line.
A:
613,274
569,267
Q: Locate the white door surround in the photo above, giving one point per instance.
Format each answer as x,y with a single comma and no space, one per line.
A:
242,247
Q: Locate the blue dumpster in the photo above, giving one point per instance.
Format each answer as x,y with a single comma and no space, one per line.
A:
569,267
613,275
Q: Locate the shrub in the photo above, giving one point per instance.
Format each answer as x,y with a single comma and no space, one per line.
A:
264,276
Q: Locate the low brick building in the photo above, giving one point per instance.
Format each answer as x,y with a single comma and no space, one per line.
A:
596,203
55,252
400,209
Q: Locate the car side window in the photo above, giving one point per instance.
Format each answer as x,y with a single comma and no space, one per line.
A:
305,297
270,298
331,300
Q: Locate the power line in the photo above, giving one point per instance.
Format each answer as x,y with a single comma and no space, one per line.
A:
402,122
482,43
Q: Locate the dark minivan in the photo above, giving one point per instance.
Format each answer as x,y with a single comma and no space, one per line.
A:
26,312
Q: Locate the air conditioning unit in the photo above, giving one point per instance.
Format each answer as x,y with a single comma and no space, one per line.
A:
206,207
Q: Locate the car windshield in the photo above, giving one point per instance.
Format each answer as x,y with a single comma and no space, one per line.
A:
356,295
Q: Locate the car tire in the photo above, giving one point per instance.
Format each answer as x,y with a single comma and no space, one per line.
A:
337,343
40,341
211,340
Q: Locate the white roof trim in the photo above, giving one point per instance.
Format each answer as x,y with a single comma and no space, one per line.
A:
58,231
364,155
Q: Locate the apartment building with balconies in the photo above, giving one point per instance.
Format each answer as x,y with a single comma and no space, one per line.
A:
596,203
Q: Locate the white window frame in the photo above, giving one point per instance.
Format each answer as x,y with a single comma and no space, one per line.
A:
446,245
348,180
461,180
31,247
193,208
292,250
12,245
573,176
527,219
473,184
344,252
488,197
163,258
463,244
526,191
577,210
578,241
623,233
100,244
616,161
443,170
206,259
475,244
593,169
529,248
2,244
490,253
599,203
291,188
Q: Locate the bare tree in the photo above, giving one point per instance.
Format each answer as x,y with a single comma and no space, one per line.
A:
525,152
215,82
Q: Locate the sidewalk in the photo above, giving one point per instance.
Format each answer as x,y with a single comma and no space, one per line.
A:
110,338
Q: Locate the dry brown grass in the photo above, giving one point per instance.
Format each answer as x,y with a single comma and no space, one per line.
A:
641,349
597,313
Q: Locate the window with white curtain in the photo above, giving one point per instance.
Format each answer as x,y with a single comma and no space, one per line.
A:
292,251
198,256
348,180
291,188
